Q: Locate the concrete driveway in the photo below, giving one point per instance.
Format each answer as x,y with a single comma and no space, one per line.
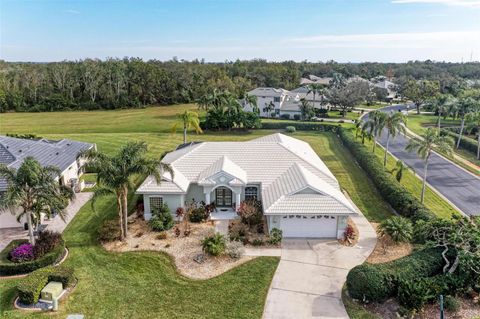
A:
311,273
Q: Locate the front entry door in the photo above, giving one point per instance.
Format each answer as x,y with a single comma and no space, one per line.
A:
223,197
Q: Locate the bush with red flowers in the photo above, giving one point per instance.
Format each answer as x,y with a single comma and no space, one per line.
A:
22,253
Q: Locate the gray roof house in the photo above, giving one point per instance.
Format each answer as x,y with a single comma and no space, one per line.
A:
299,194
62,153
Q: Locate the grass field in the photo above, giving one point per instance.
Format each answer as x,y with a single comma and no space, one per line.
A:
146,284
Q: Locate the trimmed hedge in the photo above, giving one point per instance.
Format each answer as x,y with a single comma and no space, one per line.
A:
301,126
466,143
377,282
29,289
391,190
8,268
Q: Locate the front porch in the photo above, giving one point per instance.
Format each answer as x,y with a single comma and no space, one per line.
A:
224,213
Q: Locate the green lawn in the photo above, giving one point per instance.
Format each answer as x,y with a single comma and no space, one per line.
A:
145,284
375,106
339,115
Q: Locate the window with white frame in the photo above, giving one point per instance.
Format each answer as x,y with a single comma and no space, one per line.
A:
251,193
155,203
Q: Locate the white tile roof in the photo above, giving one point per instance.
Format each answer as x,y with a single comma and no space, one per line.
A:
282,165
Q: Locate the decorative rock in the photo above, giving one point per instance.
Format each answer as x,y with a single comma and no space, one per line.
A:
200,258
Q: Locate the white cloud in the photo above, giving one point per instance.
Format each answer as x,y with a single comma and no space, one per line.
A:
414,40
457,3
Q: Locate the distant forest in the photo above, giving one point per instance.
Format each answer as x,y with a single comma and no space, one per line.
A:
131,82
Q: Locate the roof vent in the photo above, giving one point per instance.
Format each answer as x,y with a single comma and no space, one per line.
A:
19,151
57,153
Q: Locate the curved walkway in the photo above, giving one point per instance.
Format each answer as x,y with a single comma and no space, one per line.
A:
457,185
311,273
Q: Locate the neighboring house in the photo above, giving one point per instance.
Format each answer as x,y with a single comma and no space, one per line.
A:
315,79
299,194
390,88
318,101
62,154
270,100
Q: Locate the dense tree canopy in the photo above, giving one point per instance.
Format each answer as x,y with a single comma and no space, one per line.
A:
132,82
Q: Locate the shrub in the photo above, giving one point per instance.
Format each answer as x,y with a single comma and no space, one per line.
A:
257,242
414,294
250,212
22,253
234,249
297,117
399,229
285,116
301,126
109,231
369,282
275,236
46,242
451,304
161,219
290,129
466,143
8,268
197,215
29,288
162,235
214,245
349,233
237,232
62,274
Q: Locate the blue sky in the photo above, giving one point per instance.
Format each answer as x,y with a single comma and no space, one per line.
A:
219,30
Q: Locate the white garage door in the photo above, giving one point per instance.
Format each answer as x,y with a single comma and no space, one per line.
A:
317,226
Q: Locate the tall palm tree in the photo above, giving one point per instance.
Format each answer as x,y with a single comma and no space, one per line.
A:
114,174
252,101
269,107
466,106
394,123
314,88
374,125
441,105
188,119
35,190
424,146
474,124
306,109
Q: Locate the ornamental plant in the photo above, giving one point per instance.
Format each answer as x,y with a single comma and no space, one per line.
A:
22,253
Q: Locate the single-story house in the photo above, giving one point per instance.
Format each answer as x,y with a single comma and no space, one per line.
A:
62,154
298,193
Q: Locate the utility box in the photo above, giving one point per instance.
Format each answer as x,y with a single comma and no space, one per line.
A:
52,290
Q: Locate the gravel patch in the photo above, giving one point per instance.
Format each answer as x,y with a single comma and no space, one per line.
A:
182,249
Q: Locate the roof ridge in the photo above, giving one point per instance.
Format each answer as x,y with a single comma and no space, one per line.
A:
326,175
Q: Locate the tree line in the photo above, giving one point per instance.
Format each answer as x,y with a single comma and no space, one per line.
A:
131,82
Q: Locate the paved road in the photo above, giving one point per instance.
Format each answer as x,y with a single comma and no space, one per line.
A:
457,185
309,279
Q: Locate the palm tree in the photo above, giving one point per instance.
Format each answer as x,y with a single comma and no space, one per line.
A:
474,124
466,106
34,189
424,146
394,123
252,101
398,229
269,107
374,125
188,119
314,88
114,174
306,109
441,105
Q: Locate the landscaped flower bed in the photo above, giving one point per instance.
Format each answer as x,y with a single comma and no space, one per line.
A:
20,257
183,249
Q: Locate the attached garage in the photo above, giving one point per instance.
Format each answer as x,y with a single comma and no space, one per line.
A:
316,226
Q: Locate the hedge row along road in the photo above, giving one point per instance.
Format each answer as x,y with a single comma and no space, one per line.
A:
457,185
